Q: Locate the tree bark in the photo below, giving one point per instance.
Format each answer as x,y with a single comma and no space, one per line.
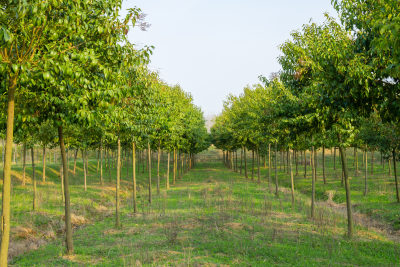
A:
347,187
395,176
44,165
269,167
366,173
149,166
33,179
305,163
312,182
276,170
258,163
174,168
68,226
101,162
168,162
84,168
24,166
291,179
323,164
158,170
6,198
117,221
252,165
245,163
134,176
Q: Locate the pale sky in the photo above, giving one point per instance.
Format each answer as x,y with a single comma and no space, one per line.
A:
214,48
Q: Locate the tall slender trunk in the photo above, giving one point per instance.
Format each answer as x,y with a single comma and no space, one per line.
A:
101,162
258,167
366,174
291,178
149,166
167,178
134,176
24,166
241,160
87,162
158,170
6,193
305,163
296,157
245,163
347,187
44,165
84,168
312,182
395,176
252,165
276,170
33,179
174,168
236,161
269,166
117,221
323,164
68,226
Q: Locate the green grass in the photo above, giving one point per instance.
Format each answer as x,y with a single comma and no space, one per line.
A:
380,201
211,217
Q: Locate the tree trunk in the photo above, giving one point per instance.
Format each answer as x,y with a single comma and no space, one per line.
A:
5,216
149,166
395,176
252,165
305,163
68,226
174,168
356,160
24,165
117,222
101,162
312,182
158,170
323,164
366,174
269,167
33,180
241,160
276,170
44,165
347,187
134,176
245,163
84,168
297,161
258,163
291,178
168,162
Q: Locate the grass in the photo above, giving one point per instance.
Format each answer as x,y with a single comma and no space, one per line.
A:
380,201
211,217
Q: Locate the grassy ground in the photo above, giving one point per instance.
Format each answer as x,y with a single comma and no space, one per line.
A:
211,217
380,201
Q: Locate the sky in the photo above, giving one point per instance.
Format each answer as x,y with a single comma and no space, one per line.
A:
213,48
